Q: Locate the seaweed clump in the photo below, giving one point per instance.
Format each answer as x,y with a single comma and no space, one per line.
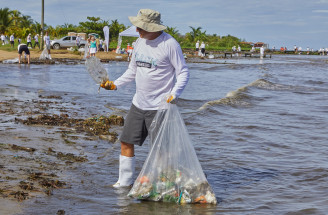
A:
97,126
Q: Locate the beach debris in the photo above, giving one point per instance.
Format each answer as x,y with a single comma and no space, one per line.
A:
47,181
66,156
60,212
20,195
26,185
97,125
22,148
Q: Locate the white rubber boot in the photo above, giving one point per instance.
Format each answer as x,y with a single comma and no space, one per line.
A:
126,172
50,57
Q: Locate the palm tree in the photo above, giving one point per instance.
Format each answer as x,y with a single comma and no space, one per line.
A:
115,28
195,33
173,32
5,19
26,21
16,16
36,27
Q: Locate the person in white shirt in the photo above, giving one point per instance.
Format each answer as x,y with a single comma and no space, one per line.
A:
46,39
202,49
12,41
36,41
160,72
300,50
197,46
3,38
23,48
29,40
78,40
261,52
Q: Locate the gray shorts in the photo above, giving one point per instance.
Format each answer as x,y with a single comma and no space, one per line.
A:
136,125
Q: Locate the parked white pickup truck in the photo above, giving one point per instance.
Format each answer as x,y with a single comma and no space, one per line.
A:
67,42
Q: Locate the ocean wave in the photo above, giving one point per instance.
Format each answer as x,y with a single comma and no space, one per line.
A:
238,97
241,96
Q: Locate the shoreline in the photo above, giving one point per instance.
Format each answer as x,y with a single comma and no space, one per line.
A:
42,138
61,56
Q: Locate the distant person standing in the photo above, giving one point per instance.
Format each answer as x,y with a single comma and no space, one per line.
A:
29,40
300,50
12,41
46,40
19,41
3,38
97,42
36,41
23,48
261,52
78,40
197,46
202,49
295,49
93,46
100,45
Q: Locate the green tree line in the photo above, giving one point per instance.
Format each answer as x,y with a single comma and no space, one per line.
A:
14,22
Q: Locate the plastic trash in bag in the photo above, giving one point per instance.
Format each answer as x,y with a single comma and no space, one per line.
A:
44,55
171,172
96,70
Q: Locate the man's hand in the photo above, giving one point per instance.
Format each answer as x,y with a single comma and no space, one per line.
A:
170,98
108,85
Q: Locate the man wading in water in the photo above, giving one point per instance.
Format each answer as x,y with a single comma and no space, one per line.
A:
160,72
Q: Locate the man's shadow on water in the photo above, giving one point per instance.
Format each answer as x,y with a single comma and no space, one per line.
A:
224,181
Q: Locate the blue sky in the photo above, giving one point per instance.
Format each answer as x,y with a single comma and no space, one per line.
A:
276,22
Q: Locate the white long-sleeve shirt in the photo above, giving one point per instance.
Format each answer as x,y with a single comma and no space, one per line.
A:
158,68
46,40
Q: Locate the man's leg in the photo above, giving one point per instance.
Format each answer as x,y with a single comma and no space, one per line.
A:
127,166
127,149
28,59
19,58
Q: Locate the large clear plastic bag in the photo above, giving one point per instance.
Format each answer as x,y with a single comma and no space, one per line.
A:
171,172
44,55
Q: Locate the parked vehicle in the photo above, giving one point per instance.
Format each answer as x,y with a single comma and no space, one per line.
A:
67,42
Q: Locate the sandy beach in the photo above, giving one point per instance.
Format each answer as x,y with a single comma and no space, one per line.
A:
63,54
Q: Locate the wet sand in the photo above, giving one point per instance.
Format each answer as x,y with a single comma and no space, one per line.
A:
40,137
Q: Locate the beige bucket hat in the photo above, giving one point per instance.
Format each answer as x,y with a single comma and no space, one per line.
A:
148,20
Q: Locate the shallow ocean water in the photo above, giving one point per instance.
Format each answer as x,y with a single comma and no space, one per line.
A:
259,128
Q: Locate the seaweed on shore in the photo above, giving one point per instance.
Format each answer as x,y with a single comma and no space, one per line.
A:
97,126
